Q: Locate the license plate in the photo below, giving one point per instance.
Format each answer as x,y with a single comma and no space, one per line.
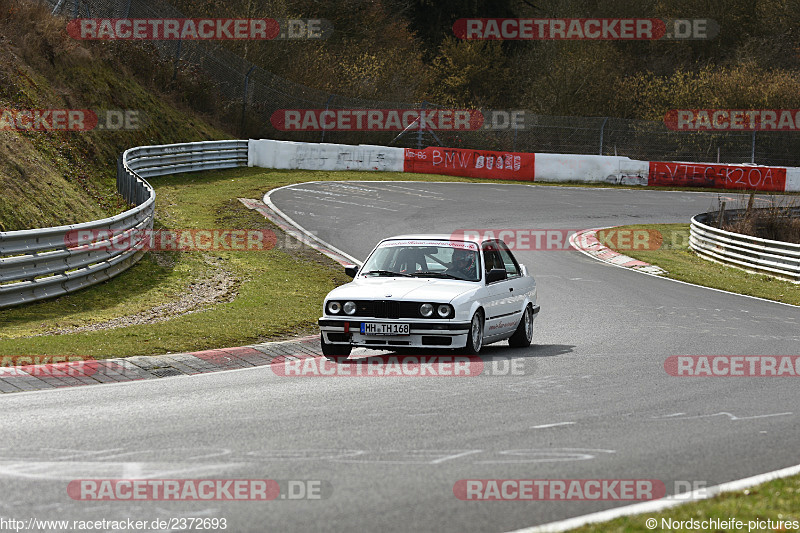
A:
381,328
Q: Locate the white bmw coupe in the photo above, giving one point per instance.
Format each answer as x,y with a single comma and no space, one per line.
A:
431,291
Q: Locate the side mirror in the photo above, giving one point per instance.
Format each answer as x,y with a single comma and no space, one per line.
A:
351,270
523,270
496,274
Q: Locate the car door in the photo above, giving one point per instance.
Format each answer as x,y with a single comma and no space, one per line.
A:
501,310
518,285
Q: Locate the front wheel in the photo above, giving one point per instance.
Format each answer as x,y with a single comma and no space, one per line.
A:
524,333
475,338
334,352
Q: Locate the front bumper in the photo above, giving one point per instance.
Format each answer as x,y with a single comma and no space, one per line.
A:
428,334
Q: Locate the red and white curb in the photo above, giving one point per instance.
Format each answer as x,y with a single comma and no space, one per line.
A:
586,242
34,377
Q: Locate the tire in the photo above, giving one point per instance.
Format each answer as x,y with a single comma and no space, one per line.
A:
475,337
334,352
524,333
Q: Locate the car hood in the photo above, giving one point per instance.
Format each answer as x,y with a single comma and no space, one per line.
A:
413,289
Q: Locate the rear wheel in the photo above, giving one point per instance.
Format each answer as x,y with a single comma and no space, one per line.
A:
475,338
334,352
524,333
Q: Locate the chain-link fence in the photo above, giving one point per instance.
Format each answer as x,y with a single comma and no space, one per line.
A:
249,95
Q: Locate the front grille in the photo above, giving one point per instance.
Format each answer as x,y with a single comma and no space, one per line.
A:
386,309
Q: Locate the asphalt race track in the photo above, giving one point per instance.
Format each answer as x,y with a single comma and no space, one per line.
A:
592,399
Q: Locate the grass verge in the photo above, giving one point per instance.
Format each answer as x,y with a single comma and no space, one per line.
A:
682,264
775,500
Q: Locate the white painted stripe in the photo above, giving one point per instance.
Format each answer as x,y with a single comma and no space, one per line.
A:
543,426
268,202
662,504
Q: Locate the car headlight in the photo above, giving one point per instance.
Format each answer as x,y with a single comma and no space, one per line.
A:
350,308
444,311
426,310
334,308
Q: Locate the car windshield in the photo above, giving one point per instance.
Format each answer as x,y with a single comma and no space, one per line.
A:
435,259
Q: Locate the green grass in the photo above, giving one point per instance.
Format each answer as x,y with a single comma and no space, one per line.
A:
682,264
775,500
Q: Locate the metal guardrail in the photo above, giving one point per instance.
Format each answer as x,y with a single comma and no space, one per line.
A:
43,263
763,256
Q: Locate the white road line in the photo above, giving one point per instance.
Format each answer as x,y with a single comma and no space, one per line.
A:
557,424
729,415
268,201
456,456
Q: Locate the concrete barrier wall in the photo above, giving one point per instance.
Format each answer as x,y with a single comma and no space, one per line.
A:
310,156
792,179
590,168
520,166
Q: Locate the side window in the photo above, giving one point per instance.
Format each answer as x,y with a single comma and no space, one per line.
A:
512,268
490,258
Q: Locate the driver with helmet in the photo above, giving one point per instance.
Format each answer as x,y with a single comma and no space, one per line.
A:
462,264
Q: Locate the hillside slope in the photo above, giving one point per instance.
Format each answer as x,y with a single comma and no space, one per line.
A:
63,177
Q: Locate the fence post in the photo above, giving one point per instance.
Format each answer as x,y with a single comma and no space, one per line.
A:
120,170
602,128
753,148
514,145
177,58
244,97
327,103
127,9
58,5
